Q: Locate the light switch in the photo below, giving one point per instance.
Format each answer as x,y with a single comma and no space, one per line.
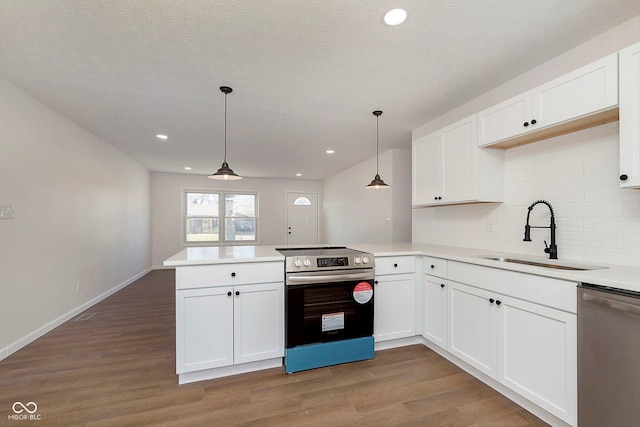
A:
6,212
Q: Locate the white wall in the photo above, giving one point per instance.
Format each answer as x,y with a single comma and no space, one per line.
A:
167,191
82,213
354,214
577,173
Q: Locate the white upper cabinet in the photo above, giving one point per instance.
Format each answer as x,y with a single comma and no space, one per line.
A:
448,167
568,101
504,120
630,116
426,158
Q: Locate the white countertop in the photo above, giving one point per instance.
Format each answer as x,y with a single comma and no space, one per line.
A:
616,276
223,255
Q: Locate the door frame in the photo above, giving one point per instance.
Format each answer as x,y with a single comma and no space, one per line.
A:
286,225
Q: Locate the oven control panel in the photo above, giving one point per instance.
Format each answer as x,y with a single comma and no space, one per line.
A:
325,258
333,262
312,263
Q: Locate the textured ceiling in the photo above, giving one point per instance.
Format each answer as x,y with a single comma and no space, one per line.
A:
306,74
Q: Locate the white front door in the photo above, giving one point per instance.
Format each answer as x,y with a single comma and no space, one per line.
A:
302,218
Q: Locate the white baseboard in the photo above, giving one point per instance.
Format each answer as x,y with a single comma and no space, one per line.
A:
24,341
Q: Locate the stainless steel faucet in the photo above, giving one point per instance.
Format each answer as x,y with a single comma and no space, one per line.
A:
552,250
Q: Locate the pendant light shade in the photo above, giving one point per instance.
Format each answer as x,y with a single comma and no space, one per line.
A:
225,172
377,183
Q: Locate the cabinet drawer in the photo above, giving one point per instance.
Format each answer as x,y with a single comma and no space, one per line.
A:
240,273
395,265
434,266
555,293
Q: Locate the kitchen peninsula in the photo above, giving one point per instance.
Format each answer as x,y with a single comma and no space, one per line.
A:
471,306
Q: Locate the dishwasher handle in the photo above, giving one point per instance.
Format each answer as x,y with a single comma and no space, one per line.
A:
616,305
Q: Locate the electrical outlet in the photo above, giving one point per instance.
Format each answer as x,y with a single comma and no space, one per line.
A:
6,212
491,225
78,287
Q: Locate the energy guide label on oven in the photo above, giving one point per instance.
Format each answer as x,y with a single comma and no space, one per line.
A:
332,321
363,292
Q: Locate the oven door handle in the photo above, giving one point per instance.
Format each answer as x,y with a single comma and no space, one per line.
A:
303,280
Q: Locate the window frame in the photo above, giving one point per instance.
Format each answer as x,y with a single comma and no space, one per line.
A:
222,201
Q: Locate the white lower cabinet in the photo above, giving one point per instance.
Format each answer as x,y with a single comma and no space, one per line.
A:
227,316
472,329
435,295
527,346
228,325
394,307
204,333
258,320
537,355
394,310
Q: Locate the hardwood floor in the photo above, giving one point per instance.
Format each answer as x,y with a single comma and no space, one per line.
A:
118,369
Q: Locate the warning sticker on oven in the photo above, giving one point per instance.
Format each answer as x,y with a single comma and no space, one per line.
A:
363,292
332,321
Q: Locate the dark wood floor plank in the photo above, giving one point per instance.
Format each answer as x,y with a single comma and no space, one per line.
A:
118,369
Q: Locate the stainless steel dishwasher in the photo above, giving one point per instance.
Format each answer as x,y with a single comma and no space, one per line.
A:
608,357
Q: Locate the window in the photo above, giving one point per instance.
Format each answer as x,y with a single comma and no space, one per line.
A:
302,201
205,212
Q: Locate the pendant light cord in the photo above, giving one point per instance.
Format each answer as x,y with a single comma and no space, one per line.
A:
225,127
377,143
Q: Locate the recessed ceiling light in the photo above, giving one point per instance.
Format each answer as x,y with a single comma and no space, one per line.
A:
395,17
330,151
187,168
162,136
298,174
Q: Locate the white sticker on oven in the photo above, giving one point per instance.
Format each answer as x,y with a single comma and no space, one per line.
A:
363,292
332,321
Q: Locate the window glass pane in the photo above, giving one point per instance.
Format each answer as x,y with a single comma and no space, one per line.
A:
202,204
240,229
302,201
203,229
240,205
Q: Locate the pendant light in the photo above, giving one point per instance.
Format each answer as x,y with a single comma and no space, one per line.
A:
225,172
377,183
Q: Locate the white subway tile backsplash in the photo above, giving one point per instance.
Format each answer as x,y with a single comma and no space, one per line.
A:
578,174
631,241
631,208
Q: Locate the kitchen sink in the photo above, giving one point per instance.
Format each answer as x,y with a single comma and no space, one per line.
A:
539,263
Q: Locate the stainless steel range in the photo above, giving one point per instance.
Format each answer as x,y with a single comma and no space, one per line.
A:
328,306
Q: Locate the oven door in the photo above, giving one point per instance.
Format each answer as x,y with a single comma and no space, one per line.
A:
328,306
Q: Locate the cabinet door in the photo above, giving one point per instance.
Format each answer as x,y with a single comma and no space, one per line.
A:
427,169
582,92
394,311
460,161
258,322
630,116
505,120
472,330
537,355
204,329
435,310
